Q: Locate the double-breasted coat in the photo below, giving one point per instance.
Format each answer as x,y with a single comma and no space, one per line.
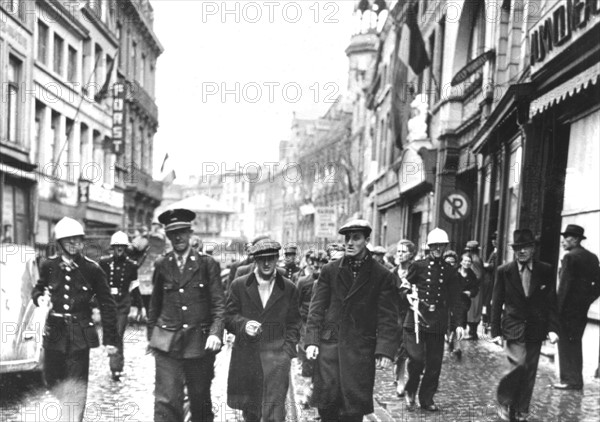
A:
280,322
352,321
186,307
579,287
524,319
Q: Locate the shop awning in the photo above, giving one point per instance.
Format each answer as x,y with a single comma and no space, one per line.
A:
565,90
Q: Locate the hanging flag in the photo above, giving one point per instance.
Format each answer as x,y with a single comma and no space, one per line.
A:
169,178
401,97
101,95
417,58
162,167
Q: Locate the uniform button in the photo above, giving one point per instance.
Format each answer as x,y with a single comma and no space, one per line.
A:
67,287
428,279
201,285
68,269
184,308
185,325
66,296
67,277
181,290
164,326
66,307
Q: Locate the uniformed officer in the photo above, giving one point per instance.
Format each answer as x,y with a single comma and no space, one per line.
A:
290,253
431,289
185,323
68,281
124,288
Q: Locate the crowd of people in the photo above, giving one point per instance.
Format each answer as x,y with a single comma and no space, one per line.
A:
344,312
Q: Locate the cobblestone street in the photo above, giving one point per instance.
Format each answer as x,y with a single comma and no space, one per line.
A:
466,391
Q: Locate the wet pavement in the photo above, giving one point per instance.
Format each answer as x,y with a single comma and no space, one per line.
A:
466,391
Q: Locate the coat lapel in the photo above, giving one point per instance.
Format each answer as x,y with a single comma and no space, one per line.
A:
344,275
277,293
516,278
362,278
172,269
535,278
252,291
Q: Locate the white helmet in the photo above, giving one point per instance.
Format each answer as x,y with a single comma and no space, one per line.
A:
437,235
119,238
67,227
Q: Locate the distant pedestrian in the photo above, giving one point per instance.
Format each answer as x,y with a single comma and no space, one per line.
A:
351,328
487,283
451,258
69,280
474,314
578,288
469,288
378,254
290,253
185,323
433,294
524,313
122,275
263,314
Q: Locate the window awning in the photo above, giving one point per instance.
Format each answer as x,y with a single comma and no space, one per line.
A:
565,90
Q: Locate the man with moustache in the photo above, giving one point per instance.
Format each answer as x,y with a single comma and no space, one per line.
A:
262,313
524,313
578,288
431,289
351,328
185,323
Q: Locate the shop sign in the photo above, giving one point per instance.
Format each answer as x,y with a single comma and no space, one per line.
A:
325,222
472,67
559,28
456,206
98,193
118,117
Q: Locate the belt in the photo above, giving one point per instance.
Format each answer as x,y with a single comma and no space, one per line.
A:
67,317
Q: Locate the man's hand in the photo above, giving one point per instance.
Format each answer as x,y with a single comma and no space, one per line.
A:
553,337
111,350
213,343
497,340
459,333
382,362
413,299
312,352
253,328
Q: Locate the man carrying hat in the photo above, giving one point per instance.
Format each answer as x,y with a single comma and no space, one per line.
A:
262,313
579,287
124,287
524,313
185,323
351,328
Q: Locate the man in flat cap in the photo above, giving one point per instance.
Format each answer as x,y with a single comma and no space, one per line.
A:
262,313
578,288
524,313
351,328
185,323
291,268
243,270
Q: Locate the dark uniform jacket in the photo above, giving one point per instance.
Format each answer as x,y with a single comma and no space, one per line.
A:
187,307
121,272
69,326
524,318
291,271
351,321
280,321
579,287
305,289
439,292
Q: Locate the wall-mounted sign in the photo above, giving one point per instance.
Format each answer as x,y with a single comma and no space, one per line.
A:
472,67
456,206
325,222
118,117
560,27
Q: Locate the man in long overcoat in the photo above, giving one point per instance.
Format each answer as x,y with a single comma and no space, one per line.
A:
185,323
579,287
524,313
351,328
262,313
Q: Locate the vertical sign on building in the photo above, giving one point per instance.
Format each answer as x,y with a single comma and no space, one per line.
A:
325,222
118,116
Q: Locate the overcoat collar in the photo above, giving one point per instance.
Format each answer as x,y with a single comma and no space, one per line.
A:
276,294
363,277
192,264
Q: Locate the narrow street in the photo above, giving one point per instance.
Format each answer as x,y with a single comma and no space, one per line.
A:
466,391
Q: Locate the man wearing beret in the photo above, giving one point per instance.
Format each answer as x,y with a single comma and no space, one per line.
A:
185,323
351,328
578,288
262,313
524,313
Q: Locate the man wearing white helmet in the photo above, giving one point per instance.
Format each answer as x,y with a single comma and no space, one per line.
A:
124,286
67,283
431,289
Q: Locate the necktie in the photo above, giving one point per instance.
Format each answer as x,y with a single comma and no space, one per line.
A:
180,263
526,279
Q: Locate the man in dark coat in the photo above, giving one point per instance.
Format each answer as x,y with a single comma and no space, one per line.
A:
291,268
262,313
351,328
124,288
578,288
185,323
525,289
236,265
432,291
68,281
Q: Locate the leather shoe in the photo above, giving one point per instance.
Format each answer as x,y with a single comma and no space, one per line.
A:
409,399
520,417
430,407
504,413
562,386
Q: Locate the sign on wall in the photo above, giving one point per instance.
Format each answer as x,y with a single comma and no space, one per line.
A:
456,206
325,222
118,117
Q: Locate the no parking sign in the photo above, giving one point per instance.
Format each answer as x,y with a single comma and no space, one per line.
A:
456,206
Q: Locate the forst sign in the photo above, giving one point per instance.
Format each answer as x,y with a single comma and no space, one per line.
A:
559,27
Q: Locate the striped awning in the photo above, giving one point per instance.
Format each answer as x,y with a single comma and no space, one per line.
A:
565,90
